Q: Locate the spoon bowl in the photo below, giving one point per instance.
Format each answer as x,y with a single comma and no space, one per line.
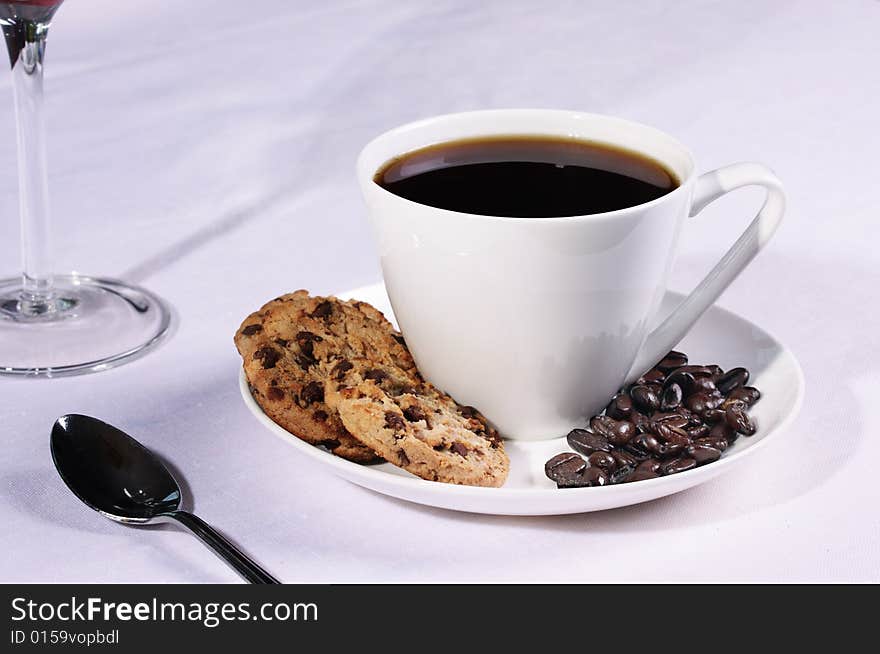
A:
111,472
121,479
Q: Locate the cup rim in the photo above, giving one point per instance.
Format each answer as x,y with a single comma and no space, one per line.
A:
366,173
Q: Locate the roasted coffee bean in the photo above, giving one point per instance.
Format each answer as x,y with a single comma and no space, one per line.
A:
678,465
671,418
623,432
733,378
595,477
565,469
698,402
716,399
621,475
635,448
723,431
684,380
623,459
616,431
653,375
587,442
645,397
730,402
703,453
649,465
692,418
747,394
620,408
704,384
671,397
603,460
641,475
719,444
701,402
699,431
713,415
641,421
672,435
696,371
715,371
672,361
677,416
739,420
644,445
603,425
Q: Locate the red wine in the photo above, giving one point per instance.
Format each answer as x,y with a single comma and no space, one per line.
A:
37,3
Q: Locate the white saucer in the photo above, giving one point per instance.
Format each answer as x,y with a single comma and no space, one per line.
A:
720,337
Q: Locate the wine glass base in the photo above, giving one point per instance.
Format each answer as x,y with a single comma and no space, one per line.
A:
90,325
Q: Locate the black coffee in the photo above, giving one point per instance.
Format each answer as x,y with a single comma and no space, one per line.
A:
526,177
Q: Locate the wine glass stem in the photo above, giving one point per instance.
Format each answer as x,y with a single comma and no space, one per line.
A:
37,295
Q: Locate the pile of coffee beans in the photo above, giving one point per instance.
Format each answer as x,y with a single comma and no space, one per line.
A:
674,418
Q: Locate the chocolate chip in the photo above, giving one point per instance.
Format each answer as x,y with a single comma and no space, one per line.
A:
250,330
459,449
320,416
311,393
399,339
274,393
330,444
403,459
375,374
323,310
268,355
283,342
414,414
339,370
394,421
468,411
306,342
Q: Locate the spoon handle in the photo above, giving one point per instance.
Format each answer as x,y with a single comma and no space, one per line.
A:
246,567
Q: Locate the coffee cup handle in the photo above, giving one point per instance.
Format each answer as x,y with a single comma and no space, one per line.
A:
709,187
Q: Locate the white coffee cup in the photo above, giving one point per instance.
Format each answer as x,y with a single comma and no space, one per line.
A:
537,322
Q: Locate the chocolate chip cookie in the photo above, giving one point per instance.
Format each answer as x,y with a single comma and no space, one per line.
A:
287,346
422,430
337,374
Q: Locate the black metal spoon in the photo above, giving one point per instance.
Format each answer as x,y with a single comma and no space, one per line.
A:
120,478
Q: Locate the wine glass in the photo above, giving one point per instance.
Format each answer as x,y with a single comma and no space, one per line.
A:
53,324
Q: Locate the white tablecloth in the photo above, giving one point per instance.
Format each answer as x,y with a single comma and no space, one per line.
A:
206,150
